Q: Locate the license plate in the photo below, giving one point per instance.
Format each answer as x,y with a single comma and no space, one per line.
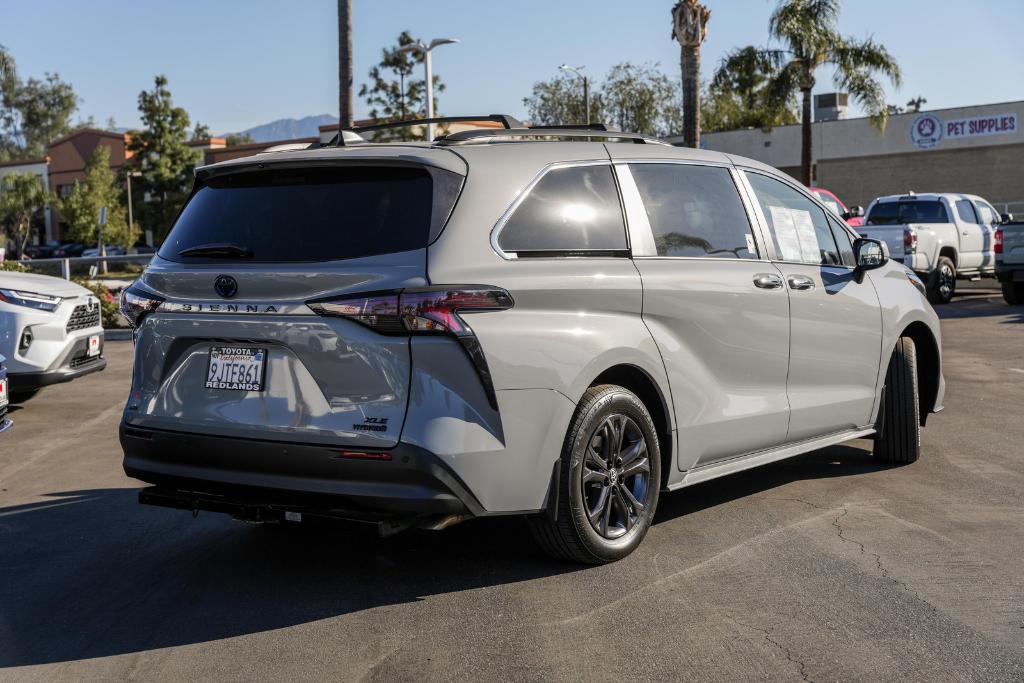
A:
237,368
3,392
93,348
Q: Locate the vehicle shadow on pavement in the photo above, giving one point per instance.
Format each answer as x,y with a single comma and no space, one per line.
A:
86,574
980,308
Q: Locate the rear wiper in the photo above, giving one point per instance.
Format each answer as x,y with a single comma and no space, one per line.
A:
218,249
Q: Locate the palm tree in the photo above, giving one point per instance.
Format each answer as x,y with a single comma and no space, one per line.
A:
689,27
344,64
808,29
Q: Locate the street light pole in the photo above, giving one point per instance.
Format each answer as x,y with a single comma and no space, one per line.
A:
426,49
128,180
586,86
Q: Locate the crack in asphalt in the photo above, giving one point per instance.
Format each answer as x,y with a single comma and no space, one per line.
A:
878,561
785,650
841,533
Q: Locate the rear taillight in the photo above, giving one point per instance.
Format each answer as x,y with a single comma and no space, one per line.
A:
909,240
997,241
427,310
424,310
136,303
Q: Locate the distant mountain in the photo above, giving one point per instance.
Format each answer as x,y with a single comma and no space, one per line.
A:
288,129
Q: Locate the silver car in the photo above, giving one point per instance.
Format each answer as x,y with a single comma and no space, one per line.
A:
561,324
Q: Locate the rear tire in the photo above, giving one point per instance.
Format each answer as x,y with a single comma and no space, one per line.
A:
1013,293
899,440
608,483
942,283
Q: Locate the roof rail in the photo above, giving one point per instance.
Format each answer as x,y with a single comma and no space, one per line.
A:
505,120
549,132
573,126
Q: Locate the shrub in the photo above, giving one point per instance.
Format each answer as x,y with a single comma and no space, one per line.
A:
109,308
12,266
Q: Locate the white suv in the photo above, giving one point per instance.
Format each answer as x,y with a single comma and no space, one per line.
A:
50,331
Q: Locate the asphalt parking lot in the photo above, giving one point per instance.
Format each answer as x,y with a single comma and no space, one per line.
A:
826,567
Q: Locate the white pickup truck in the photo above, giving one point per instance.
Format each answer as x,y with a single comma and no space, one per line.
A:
1010,259
940,236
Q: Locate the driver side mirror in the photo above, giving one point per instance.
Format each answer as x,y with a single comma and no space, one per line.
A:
1006,218
854,212
870,253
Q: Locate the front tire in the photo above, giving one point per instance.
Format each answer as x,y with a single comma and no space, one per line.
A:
609,479
1013,293
899,440
942,284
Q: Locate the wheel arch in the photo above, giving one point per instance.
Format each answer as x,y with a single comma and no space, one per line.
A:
646,388
951,254
926,348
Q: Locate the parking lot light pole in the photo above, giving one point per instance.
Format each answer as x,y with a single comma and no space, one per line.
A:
128,179
425,49
586,86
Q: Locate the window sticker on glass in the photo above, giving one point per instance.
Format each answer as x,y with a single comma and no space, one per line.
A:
808,236
785,233
751,247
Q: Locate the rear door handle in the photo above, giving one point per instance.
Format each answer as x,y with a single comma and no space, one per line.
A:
800,282
768,281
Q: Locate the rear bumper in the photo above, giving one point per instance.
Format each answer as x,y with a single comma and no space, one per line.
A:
202,472
1012,273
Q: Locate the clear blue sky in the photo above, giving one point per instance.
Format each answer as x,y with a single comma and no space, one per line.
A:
237,63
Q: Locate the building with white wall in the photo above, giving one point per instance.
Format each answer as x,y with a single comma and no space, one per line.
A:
977,150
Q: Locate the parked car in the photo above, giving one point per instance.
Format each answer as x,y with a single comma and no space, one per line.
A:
50,332
112,250
46,250
559,329
854,216
69,250
5,422
941,237
1009,250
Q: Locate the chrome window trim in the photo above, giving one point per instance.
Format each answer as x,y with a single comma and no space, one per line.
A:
507,214
648,235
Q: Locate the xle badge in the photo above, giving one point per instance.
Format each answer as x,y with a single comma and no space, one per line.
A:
372,424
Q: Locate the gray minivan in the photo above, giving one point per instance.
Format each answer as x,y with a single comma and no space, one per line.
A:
555,323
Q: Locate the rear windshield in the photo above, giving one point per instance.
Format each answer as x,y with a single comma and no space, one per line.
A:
310,214
917,211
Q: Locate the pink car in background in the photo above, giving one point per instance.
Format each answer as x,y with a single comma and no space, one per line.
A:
854,216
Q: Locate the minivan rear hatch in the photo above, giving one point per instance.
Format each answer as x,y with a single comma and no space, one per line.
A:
233,349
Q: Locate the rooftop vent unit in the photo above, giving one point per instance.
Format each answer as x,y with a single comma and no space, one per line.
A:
831,106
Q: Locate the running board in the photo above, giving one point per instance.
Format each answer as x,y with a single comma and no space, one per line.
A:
746,462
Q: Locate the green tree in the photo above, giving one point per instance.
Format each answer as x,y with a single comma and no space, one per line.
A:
808,30
32,112
641,99
201,132
740,95
633,98
689,28
21,198
394,95
163,157
237,139
81,209
560,102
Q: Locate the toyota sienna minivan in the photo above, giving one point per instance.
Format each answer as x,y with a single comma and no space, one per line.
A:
559,324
